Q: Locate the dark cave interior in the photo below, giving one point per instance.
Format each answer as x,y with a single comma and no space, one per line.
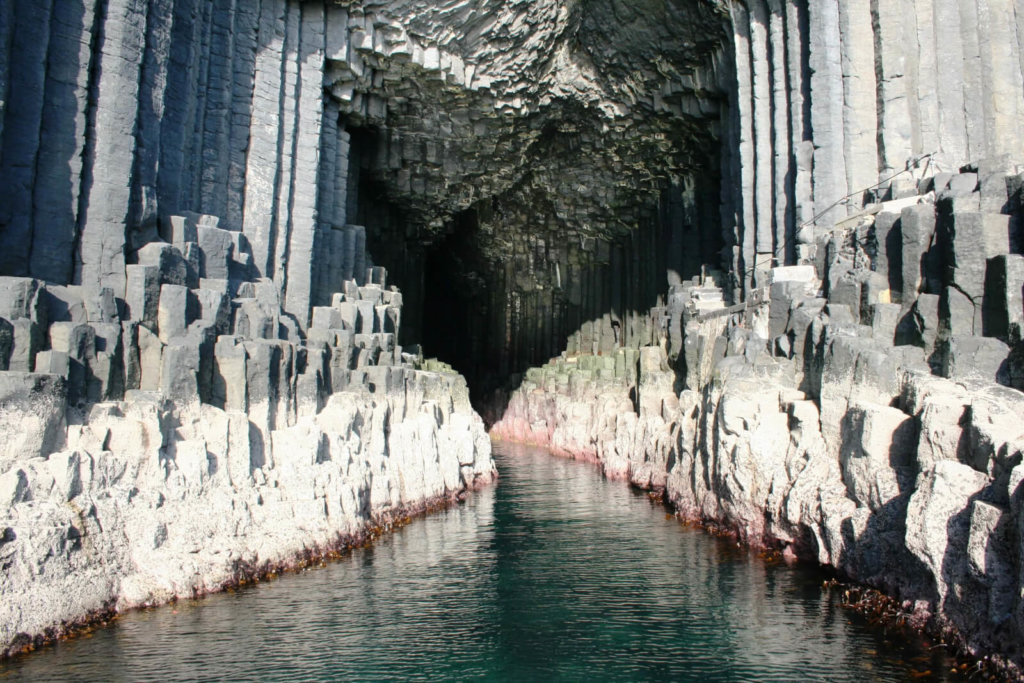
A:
502,286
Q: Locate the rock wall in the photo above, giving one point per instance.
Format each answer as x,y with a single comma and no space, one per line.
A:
201,440
150,500
834,105
201,378
286,119
826,421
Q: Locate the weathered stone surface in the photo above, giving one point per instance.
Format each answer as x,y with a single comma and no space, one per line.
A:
33,422
917,224
982,358
142,293
205,474
65,304
887,481
217,248
877,453
172,312
22,298
168,260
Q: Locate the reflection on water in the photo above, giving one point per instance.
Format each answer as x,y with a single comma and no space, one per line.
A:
553,574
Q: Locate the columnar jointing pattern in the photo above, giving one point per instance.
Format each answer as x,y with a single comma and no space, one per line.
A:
828,100
192,189
557,130
118,114
549,123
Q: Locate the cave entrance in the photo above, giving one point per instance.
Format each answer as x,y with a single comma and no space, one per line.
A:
457,305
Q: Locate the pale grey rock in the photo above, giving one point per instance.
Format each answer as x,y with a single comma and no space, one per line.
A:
22,298
33,421
213,304
934,522
65,304
202,471
179,229
172,312
52,362
877,453
150,359
101,306
217,248
259,117
230,373
142,294
983,358
885,319
26,342
169,261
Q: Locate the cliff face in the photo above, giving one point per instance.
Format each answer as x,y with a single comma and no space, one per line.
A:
522,164
824,420
536,132
202,202
836,104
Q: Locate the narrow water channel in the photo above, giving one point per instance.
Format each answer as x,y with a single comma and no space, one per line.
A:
554,573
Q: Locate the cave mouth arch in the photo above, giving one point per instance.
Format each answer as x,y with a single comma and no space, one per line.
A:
506,284
493,312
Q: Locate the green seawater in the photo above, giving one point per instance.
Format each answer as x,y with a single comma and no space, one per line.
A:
552,574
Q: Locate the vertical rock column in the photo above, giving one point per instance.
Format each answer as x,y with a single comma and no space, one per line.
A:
781,136
921,69
215,131
100,257
177,121
729,206
328,241
893,103
1002,88
825,59
972,78
287,123
58,172
949,63
799,106
743,117
305,181
860,128
245,32
153,90
259,215
195,159
763,142
29,39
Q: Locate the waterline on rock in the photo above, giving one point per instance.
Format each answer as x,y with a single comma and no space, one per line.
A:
553,573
